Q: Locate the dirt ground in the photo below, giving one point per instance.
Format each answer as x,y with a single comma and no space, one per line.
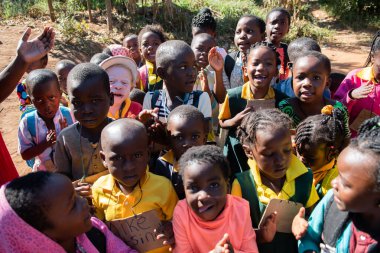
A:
347,50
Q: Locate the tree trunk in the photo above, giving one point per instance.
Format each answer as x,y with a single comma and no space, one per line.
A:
109,15
89,11
51,10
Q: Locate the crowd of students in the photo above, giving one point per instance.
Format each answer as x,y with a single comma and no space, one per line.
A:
203,137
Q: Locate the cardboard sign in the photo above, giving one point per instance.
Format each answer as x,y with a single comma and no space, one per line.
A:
286,211
138,231
260,104
362,116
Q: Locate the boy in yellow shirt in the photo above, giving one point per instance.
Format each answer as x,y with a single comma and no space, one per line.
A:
130,189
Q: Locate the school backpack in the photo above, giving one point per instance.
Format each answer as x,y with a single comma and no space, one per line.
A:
196,96
229,63
30,115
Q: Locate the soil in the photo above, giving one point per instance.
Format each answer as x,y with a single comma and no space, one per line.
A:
347,50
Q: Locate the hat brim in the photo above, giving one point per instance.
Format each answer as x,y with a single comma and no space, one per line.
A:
121,60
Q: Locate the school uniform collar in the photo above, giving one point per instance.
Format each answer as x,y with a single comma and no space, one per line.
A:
320,173
152,78
367,74
169,158
247,94
125,109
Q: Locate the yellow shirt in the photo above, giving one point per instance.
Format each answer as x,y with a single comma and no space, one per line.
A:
367,74
169,158
246,94
296,169
330,175
117,115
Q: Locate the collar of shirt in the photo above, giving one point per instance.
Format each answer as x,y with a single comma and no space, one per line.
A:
296,168
169,158
125,109
320,173
247,94
152,78
367,74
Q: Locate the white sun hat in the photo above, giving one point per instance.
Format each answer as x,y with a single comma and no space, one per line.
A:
124,61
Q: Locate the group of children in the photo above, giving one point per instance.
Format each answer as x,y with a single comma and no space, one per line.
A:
149,113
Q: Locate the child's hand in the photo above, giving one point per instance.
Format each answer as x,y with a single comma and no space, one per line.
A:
362,91
63,122
148,117
204,81
83,189
300,225
51,138
223,246
215,60
235,121
165,232
64,101
268,230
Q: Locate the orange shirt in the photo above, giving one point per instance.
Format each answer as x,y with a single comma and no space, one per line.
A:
195,235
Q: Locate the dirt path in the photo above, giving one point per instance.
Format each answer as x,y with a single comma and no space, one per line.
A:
347,51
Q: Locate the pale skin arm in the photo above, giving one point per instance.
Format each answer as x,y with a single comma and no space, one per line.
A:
27,52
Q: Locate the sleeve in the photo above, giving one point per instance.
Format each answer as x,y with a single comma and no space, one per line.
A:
170,202
313,198
25,139
62,158
249,244
225,112
236,189
114,244
99,212
182,244
147,104
205,105
342,94
313,236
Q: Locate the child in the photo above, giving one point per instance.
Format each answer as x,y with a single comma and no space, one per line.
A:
186,128
98,58
310,76
274,171
150,37
203,22
360,91
277,26
122,73
202,219
137,96
131,43
130,188
77,149
261,69
22,94
176,66
62,69
319,140
348,217
249,30
40,212
39,128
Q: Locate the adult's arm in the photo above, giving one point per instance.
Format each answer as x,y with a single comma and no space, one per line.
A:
27,52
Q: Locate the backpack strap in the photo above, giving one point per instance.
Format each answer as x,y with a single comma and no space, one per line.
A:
236,103
248,189
303,186
98,239
155,96
334,223
66,113
196,95
229,63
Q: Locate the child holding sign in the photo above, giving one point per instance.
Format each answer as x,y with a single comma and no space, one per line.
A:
130,189
202,220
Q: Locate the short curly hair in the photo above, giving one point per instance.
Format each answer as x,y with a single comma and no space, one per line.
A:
156,29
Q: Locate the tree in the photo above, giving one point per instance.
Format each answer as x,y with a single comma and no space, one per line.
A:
89,11
109,14
51,10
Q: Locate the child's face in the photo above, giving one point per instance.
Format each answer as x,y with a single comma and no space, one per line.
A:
149,44
247,33
90,102
277,26
309,79
354,186
68,212
132,45
46,99
314,156
261,67
120,83
206,190
181,75
185,134
201,47
272,152
126,157
62,78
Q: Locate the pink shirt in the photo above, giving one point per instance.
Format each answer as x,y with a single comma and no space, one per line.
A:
195,235
353,80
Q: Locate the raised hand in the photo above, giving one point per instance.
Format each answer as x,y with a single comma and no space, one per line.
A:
215,60
223,246
300,225
35,49
362,91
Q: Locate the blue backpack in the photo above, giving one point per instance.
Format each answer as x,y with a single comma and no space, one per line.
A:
30,114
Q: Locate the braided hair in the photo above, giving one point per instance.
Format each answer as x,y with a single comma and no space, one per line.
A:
326,128
368,142
267,45
204,19
267,119
375,46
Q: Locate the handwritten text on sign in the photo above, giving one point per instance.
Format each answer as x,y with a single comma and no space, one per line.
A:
138,231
